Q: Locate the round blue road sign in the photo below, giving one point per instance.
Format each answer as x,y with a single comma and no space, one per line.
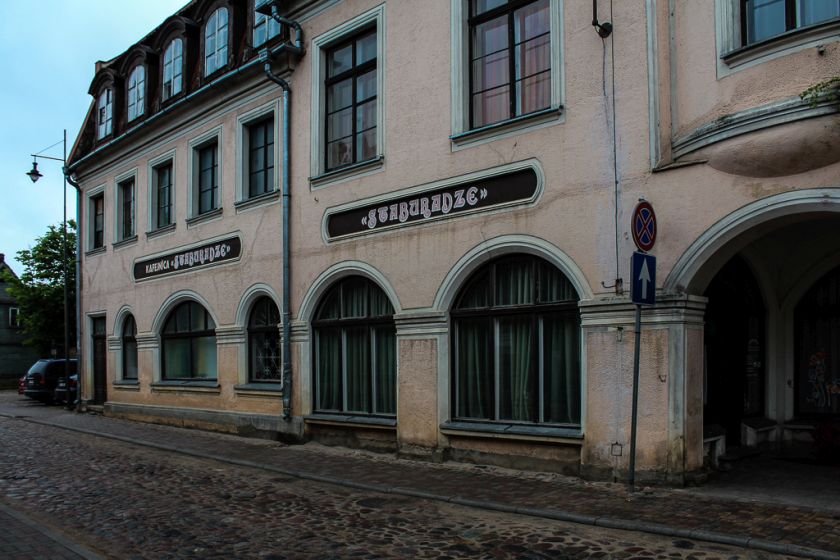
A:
644,226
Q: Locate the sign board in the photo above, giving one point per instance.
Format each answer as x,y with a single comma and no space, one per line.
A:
424,206
644,226
184,260
643,274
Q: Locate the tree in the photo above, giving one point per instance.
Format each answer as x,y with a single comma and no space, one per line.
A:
40,290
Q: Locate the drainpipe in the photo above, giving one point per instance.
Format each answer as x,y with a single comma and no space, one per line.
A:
266,57
79,361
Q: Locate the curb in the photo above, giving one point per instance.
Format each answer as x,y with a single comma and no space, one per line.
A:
559,515
50,534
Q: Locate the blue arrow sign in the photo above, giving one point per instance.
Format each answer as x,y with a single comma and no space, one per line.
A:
643,274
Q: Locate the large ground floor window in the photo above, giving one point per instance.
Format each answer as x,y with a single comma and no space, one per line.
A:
189,343
355,350
516,341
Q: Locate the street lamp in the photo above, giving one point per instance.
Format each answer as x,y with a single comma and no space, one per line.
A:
34,175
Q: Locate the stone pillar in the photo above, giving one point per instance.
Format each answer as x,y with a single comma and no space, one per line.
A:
422,382
669,443
231,361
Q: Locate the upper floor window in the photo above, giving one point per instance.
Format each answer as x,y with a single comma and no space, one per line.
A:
765,19
265,27
208,177
216,41
351,101
510,59
97,211
189,343
129,349
127,207
162,195
264,341
14,317
105,113
260,164
136,93
173,63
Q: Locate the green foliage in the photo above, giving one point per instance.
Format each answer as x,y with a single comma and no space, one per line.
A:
40,290
830,89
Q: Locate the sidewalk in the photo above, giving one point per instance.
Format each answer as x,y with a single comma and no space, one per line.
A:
23,539
780,529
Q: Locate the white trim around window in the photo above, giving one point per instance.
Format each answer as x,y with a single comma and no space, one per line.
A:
462,136
214,136
119,181
243,122
152,194
372,19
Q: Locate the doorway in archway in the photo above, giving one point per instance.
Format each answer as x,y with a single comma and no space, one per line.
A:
735,350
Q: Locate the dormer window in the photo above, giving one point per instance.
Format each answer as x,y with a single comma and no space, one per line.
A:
173,63
265,27
216,41
136,93
105,113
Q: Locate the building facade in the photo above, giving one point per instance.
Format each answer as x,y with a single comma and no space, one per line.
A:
15,358
454,182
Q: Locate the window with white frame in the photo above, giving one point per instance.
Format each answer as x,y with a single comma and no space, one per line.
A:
96,211
162,195
348,82
258,148
216,41
265,27
136,93
105,113
173,67
507,65
126,209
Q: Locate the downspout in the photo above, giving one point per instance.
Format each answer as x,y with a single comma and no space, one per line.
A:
266,57
79,361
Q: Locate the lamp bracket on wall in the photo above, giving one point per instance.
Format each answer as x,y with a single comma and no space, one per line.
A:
604,29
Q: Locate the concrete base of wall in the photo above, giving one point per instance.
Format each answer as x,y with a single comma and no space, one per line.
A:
644,477
249,425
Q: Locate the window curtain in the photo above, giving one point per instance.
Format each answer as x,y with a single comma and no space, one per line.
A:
385,345
357,364
475,370
516,369
130,350
560,367
176,354
329,369
533,57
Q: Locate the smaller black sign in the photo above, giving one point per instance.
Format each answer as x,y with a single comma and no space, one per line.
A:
185,260
507,188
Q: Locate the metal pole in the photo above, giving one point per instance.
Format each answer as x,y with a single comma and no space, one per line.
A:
635,413
64,271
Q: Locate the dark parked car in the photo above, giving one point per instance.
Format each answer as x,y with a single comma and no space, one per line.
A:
66,390
42,378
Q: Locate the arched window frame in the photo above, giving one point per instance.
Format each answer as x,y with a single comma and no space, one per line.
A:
173,69
216,34
496,322
339,322
264,364
137,92
105,113
191,331
129,349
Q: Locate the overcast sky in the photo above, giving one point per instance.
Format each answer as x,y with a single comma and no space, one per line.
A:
47,54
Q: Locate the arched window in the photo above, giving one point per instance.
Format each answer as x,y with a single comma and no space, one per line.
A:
516,345
264,342
216,41
189,343
105,113
129,348
136,93
355,350
173,64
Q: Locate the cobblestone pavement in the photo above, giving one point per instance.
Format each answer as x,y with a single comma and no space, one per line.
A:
137,502
20,538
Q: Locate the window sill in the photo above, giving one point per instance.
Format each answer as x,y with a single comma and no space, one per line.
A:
343,173
127,385
259,389
160,231
781,43
256,201
187,386
513,431
125,242
511,125
206,217
97,251
350,421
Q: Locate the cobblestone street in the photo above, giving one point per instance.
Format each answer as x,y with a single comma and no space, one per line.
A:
129,501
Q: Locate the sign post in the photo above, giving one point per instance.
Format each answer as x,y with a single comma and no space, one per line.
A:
643,292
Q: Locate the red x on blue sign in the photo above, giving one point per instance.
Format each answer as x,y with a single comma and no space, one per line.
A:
644,226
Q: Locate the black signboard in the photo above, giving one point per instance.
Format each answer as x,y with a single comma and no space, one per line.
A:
507,188
210,253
